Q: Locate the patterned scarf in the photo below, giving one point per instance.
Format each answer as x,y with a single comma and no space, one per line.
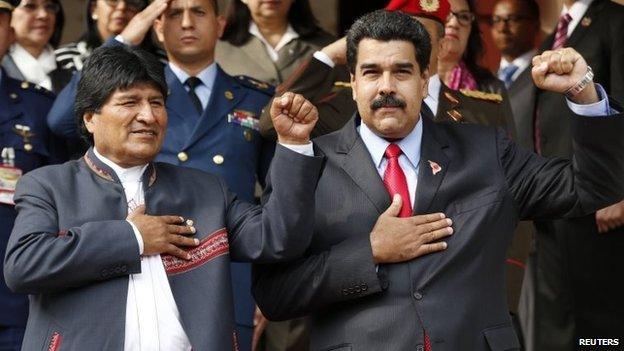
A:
461,78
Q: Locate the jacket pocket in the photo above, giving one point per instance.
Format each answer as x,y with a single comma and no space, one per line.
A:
478,201
502,338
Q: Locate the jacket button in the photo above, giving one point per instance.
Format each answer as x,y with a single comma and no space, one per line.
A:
182,156
218,159
418,296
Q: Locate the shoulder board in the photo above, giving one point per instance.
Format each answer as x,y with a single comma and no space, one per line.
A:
256,85
342,84
481,95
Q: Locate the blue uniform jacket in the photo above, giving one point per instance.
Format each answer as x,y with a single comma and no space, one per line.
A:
24,104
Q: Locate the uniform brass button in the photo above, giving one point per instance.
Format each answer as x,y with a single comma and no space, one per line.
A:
418,296
28,147
182,156
218,159
229,95
13,96
248,135
25,85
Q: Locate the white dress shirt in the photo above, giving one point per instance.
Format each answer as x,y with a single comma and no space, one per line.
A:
408,160
34,70
522,62
433,93
576,11
207,76
152,316
273,52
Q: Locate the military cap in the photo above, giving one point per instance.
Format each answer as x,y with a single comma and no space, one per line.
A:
437,10
8,5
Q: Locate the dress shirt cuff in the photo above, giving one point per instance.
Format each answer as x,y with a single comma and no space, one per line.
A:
120,39
137,235
306,149
597,109
323,57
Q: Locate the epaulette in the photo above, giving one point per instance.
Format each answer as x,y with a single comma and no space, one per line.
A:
255,84
24,85
481,95
342,84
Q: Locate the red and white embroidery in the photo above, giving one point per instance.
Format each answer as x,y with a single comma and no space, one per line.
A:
214,245
55,342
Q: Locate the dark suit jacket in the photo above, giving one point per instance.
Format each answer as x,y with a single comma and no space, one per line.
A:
72,249
486,184
599,40
522,94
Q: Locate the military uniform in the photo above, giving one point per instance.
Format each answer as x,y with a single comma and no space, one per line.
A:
25,144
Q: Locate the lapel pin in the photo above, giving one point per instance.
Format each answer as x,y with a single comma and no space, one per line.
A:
586,21
435,167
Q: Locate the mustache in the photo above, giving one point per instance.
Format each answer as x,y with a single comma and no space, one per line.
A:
387,101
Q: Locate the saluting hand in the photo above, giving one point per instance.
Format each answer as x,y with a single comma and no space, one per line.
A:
294,118
561,69
139,25
163,234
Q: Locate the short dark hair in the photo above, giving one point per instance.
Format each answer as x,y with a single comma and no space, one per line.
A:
110,68
238,16
385,25
55,40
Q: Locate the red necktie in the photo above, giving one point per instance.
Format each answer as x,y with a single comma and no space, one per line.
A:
561,36
394,179
395,182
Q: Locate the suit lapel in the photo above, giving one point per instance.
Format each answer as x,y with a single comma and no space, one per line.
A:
256,51
583,26
433,164
219,105
357,163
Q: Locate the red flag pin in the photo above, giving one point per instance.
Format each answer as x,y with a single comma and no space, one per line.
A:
435,167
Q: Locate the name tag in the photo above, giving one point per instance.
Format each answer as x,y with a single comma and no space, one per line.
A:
244,118
8,180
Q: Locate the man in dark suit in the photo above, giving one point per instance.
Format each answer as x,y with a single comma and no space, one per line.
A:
213,117
120,253
25,142
430,276
572,255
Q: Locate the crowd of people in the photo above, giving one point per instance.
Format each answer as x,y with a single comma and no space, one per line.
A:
179,179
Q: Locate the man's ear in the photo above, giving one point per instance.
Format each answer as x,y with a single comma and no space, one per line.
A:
88,119
158,29
425,85
353,86
221,22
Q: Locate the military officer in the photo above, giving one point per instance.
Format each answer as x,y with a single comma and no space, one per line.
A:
25,145
213,117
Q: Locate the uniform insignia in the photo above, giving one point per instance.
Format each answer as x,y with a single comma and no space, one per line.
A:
586,21
244,118
248,135
435,167
342,84
26,134
455,115
25,85
229,95
430,5
183,156
481,95
450,97
257,85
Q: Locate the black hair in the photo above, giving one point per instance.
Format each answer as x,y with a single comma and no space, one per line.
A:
475,50
385,25
110,68
532,8
55,40
238,16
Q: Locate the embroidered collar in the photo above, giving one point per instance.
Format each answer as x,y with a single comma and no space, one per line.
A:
104,171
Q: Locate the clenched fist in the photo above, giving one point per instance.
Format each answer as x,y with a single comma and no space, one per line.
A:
294,118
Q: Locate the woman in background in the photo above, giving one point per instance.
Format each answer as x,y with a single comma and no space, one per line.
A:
105,19
267,40
460,50
38,26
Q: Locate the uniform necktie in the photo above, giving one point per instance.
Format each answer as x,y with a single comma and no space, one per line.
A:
506,73
394,179
561,36
192,83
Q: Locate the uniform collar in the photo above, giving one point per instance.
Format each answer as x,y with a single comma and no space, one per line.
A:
207,75
108,170
288,36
